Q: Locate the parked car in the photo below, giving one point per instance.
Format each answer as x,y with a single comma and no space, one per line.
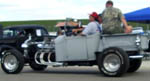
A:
137,30
13,56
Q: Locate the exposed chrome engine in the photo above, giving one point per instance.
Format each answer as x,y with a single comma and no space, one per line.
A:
46,51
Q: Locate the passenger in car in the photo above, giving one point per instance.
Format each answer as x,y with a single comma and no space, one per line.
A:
112,18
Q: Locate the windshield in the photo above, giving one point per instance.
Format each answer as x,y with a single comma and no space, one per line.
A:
15,32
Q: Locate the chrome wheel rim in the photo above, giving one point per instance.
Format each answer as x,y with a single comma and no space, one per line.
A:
112,62
10,62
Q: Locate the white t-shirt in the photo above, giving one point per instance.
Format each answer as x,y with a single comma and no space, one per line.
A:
92,28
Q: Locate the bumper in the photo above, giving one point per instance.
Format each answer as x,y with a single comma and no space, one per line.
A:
136,57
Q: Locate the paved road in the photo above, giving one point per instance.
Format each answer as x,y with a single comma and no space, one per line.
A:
75,74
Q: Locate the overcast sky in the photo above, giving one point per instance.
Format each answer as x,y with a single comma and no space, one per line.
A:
12,10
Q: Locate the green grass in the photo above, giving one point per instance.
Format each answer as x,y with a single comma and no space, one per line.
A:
50,24
139,24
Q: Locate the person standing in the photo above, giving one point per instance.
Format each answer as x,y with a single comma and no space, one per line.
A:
112,19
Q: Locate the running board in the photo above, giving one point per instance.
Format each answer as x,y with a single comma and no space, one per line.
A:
54,64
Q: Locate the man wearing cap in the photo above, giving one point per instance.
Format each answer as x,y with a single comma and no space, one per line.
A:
94,26
112,19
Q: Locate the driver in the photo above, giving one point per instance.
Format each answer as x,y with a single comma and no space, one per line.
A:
93,26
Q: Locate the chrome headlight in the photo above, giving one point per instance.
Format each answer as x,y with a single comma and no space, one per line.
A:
40,45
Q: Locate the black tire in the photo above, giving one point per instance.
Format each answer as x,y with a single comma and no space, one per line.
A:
37,67
119,56
134,65
10,58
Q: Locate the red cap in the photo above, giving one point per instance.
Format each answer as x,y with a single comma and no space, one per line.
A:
94,14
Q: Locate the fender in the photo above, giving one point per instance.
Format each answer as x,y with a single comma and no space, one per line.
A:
7,47
4,47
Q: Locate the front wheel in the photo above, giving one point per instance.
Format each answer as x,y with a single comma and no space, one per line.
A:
113,62
37,67
12,61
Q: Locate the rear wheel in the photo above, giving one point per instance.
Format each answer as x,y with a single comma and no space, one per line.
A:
113,62
134,65
12,62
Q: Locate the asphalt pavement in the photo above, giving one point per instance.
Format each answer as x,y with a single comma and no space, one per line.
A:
75,74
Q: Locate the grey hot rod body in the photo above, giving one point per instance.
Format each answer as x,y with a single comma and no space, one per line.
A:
83,48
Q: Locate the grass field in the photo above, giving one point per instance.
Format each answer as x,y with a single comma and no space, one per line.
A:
50,24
